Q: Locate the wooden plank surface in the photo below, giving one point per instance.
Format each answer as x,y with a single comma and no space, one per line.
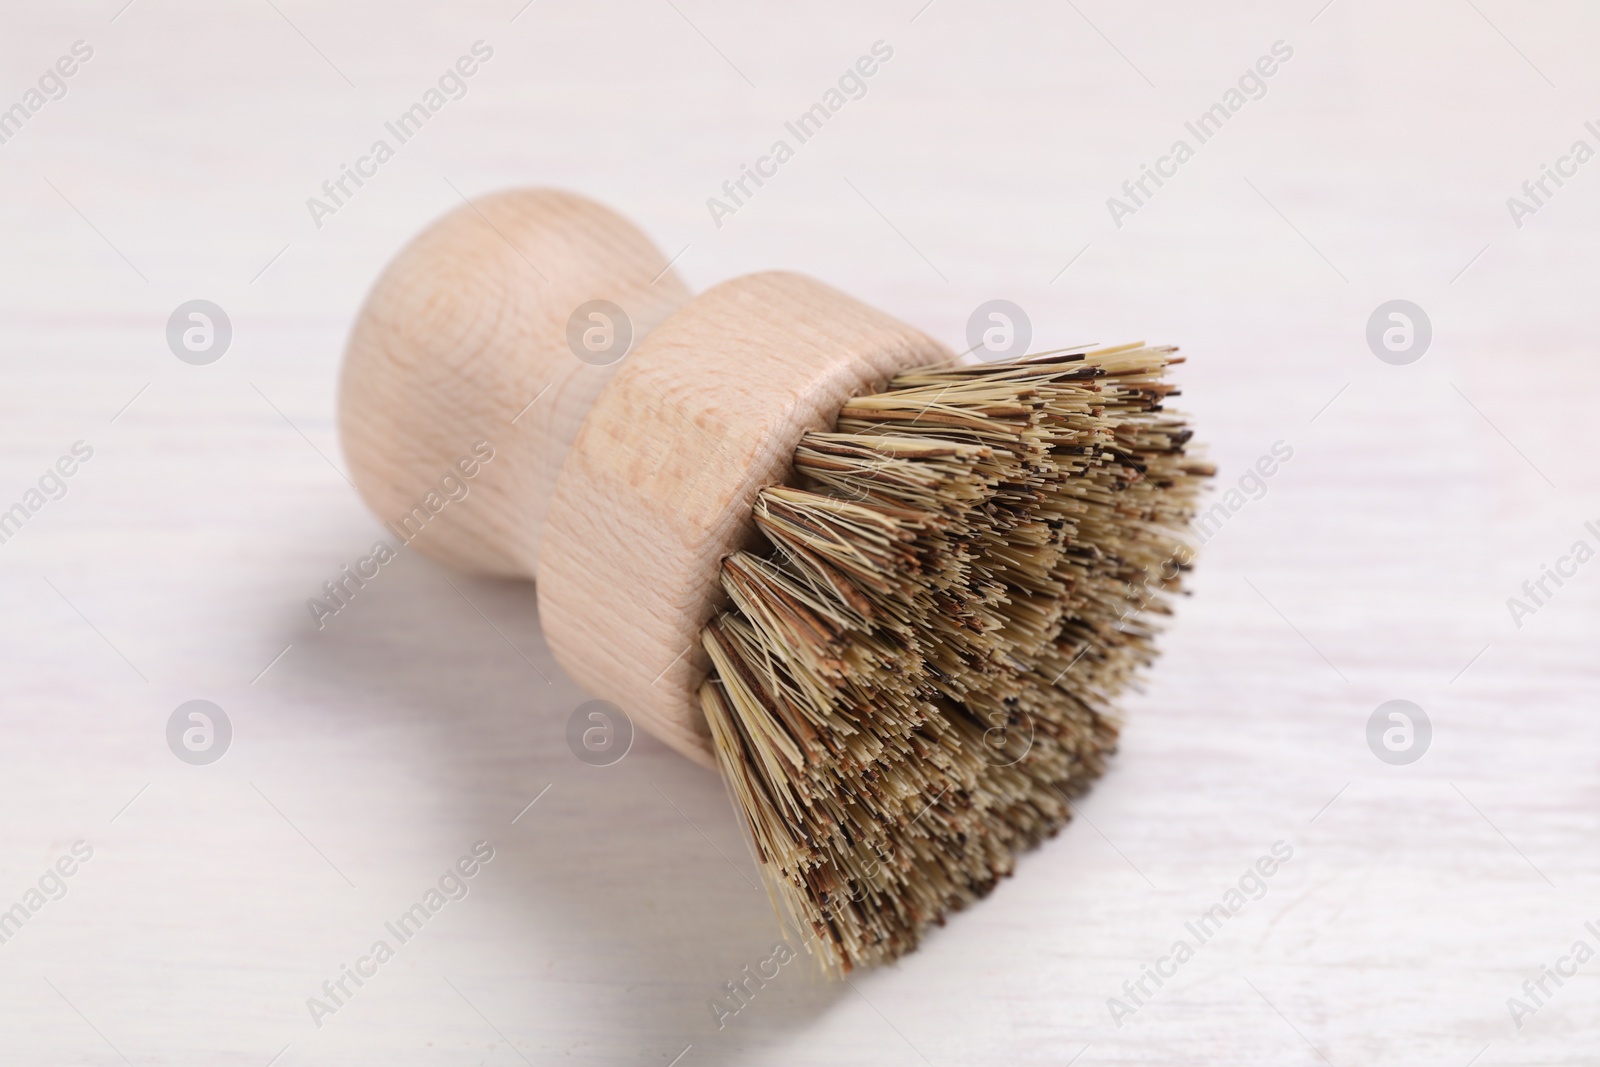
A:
370,754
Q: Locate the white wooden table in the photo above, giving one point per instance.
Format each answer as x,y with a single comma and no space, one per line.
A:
369,755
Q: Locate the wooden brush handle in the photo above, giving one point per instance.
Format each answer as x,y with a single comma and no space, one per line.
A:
622,488
463,329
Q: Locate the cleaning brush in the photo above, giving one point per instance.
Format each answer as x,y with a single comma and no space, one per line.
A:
893,596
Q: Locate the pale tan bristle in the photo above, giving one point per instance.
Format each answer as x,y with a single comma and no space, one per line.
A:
918,676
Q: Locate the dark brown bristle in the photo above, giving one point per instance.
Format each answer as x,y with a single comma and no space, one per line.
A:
918,676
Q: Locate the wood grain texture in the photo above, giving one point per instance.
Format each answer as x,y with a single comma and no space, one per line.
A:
660,481
464,339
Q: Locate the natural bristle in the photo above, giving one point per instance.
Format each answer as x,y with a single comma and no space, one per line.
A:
918,676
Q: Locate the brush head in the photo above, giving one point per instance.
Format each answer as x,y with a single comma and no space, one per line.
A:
918,670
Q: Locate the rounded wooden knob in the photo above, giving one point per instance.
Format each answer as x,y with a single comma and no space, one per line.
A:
463,340
620,487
